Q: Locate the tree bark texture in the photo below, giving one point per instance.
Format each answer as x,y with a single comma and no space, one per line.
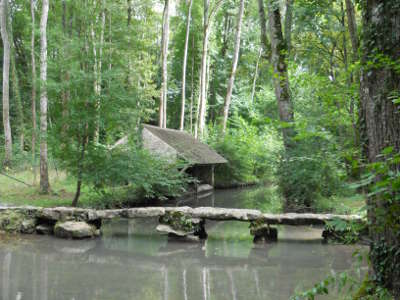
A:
234,67
6,83
203,71
288,25
263,32
33,96
380,84
44,173
164,67
185,54
281,78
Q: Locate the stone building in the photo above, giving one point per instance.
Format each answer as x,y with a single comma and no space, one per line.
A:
174,144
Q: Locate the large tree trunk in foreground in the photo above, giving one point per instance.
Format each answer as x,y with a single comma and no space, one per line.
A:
185,54
164,67
380,84
234,66
33,65
281,78
6,83
44,173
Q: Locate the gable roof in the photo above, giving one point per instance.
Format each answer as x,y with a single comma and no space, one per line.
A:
187,146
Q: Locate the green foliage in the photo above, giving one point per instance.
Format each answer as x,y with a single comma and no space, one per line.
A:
251,153
346,232
131,176
307,173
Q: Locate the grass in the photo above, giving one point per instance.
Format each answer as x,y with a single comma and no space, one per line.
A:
266,199
62,192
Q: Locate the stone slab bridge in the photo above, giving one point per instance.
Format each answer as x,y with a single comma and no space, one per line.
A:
178,222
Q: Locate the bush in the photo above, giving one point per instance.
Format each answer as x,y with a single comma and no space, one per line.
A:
251,153
307,173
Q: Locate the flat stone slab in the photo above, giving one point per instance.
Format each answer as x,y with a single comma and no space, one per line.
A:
74,230
163,228
207,213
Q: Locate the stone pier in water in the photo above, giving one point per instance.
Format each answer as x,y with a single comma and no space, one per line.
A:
178,222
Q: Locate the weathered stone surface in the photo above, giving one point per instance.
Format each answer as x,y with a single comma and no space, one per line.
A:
75,230
17,220
44,229
216,213
182,221
306,219
28,226
107,214
167,229
145,212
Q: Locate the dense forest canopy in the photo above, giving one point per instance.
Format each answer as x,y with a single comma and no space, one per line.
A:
299,94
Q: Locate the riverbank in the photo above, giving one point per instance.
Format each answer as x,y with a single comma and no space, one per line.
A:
264,198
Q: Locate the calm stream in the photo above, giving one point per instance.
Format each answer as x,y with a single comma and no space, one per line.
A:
132,261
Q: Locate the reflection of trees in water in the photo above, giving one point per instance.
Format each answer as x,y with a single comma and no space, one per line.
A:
51,271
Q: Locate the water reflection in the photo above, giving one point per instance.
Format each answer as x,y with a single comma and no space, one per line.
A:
265,198
132,261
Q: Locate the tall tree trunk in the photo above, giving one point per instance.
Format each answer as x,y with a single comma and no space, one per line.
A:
33,97
281,78
97,70
234,66
16,90
44,173
6,83
352,24
380,82
263,32
253,88
164,67
360,134
203,72
65,94
185,54
18,101
288,25
192,86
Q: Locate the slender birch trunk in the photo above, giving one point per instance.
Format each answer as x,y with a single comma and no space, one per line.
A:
44,173
6,83
203,73
17,99
97,70
192,88
16,89
189,14
234,67
253,88
33,97
65,73
164,67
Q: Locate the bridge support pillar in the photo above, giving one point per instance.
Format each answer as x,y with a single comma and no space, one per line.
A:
263,232
179,226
